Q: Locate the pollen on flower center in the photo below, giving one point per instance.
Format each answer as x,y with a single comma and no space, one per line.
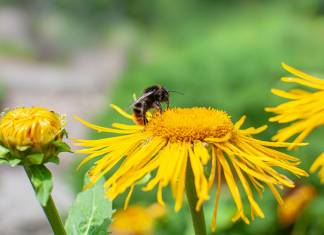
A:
189,124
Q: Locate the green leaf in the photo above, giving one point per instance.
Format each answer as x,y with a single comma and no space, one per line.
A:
3,151
22,148
65,133
144,180
3,161
62,146
41,179
90,213
14,162
53,159
35,158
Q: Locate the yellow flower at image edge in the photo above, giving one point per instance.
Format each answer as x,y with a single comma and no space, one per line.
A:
31,136
29,127
136,220
304,110
201,137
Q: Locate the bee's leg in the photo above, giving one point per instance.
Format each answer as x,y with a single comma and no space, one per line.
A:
158,106
145,121
168,104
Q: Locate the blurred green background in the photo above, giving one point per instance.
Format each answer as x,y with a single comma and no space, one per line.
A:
223,54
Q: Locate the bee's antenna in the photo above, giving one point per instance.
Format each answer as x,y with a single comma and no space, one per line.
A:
180,93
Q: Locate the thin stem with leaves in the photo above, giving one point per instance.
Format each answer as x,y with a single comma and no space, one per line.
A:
50,210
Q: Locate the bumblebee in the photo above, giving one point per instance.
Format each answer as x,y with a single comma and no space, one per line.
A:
152,97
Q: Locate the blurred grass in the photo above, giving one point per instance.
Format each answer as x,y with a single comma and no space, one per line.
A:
228,57
2,93
12,49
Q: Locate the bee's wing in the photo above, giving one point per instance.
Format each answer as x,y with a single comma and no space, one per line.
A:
141,98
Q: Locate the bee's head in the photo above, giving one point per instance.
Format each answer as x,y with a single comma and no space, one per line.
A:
162,94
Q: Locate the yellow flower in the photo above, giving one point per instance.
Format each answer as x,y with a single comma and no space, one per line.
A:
31,136
201,137
29,127
136,220
294,204
319,164
304,110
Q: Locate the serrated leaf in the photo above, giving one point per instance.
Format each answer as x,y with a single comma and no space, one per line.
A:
90,213
41,179
35,158
62,146
14,162
3,151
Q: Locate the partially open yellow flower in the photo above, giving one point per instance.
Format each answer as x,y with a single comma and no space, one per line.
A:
304,110
29,127
201,137
294,204
137,220
31,136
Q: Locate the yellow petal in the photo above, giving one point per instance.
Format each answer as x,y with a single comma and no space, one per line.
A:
122,112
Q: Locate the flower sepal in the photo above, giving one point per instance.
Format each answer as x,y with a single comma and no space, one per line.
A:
28,156
12,162
62,147
3,151
35,158
54,159
22,148
5,157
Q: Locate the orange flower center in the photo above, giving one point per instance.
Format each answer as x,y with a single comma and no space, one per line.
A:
190,124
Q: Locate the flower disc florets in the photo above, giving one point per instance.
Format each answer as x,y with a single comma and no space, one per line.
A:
190,124
31,131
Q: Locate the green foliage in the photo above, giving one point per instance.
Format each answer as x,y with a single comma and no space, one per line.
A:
12,162
62,147
3,151
6,158
15,50
29,156
2,92
41,179
36,158
91,213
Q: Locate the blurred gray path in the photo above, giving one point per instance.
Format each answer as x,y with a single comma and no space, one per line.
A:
78,88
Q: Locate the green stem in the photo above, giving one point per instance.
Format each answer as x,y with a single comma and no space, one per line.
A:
50,211
198,218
